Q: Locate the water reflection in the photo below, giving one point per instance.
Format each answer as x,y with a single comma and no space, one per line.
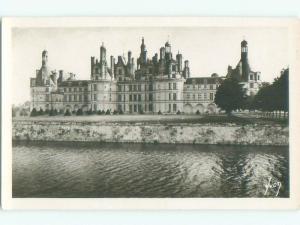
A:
145,170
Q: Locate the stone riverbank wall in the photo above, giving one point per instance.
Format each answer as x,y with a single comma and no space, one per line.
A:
187,133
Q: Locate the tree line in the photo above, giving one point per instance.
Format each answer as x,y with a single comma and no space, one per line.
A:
271,99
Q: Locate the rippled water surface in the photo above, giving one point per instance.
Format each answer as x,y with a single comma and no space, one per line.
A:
146,170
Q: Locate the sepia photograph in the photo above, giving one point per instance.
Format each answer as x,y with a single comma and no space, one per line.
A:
135,108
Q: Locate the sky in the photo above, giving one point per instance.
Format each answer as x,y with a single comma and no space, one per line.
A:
209,49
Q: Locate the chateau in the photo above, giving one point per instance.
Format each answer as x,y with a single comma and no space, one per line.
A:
161,84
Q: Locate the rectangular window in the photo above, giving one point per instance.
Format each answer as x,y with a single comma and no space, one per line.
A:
130,89
211,86
130,98
75,98
95,87
140,97
80,97
170,96
95,97
65,89
119,98
199,96
150,107
205,96
211,96
150,97
174,96
70,89
194,97
170,86
134,97
170,107
134,87
150,87
134,108
119,88
187,96
139,87
86,98
130,108
174,107
174,86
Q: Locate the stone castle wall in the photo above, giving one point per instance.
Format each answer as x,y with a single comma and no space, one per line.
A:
150,132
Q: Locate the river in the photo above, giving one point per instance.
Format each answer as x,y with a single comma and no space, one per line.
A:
96,170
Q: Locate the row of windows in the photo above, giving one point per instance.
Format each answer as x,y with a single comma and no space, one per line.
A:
199,86
75,89
200,96
75,98
137,97
256,77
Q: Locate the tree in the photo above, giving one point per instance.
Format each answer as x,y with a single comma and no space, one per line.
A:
230,95
275,96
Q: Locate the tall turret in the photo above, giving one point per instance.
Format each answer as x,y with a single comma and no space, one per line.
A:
102,53
244,60
186,69
162,53
179,62
112,66
143,54
168,51
44,58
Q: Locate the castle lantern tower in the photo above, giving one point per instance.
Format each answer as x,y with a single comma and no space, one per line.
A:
168,51
103,64
44,58
244,50
102,53
143,55
244,60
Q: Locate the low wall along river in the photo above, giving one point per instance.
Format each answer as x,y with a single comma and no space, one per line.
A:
250,134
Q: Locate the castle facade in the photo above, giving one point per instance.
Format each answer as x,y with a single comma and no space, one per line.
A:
161,84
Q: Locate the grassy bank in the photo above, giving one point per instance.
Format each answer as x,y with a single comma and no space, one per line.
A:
162,119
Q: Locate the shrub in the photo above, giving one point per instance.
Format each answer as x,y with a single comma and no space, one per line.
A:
107,112
67,113
90,112
159,112
178,112
51,113
33,112
198,112
115,112
47,112
41,112
121,112
79,112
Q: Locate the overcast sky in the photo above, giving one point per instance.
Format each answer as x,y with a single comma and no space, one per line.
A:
209,50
